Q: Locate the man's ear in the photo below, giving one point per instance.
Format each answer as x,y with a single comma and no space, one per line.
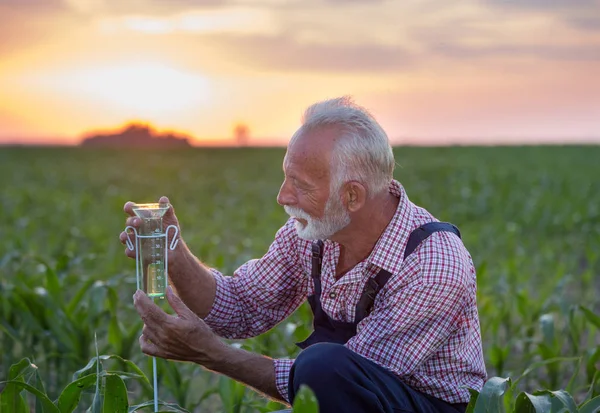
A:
355,195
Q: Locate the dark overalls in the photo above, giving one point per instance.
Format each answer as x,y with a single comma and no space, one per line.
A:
366,386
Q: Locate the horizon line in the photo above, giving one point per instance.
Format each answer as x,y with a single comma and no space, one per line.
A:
266,145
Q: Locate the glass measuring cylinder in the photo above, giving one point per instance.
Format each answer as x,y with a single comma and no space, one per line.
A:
152,249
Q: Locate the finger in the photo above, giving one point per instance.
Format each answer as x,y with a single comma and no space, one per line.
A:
148,311
149,348
133,222
128,207
170,214
178,306
124,235
130,252
151,335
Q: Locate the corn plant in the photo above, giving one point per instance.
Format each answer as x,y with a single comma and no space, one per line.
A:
493,399
530,216
107,388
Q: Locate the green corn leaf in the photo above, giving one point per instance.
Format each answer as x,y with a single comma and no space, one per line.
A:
574,329
542,363
74,303
9,330
113,299
11,399
70,396
115,395
547,325
528,403
590,366
38,384
498,356
271,406
472,401
86,370
592,406
560,400
164,407
115,335
590,316
305,401
52,281
573,380
232,394
124,375
98,399
491,397
129,364
21,369
97,297
566,399
523,304
207,394
91,367
49,407
594,389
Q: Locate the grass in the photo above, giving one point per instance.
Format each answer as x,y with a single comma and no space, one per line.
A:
530,216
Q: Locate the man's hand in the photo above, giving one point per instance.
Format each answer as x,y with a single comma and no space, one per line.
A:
132,220
184,337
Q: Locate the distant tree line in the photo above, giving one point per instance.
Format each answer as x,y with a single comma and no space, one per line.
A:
137,135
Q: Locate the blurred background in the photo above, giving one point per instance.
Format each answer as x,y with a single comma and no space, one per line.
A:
449,82
432,71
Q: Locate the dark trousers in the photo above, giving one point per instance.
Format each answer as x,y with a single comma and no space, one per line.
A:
344,381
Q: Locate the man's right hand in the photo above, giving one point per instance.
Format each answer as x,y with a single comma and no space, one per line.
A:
132,220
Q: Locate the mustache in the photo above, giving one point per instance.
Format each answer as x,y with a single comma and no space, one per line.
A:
296,212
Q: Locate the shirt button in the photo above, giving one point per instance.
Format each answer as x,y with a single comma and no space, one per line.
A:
332,295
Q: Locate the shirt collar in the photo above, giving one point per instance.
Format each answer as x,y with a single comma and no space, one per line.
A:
388,253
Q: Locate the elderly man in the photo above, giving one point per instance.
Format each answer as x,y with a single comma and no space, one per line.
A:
392,289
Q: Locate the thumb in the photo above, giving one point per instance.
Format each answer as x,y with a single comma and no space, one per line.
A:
170,219
177,305
169,216
163,200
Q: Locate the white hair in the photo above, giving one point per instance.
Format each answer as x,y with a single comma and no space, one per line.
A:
363,154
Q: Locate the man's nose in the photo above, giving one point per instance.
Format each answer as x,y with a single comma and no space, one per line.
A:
286,195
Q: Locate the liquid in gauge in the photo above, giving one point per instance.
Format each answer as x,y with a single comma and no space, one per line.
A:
153,258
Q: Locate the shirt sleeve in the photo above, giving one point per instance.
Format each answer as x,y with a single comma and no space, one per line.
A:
416,317
282,375
262,292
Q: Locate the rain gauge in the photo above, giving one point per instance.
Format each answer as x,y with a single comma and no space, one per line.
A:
151,263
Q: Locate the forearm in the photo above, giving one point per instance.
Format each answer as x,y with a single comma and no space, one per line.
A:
254,370
194,283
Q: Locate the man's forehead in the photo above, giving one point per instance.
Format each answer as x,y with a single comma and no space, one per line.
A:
314,142
324,135
306,161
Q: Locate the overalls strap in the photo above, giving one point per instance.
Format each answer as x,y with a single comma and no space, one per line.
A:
372,287
329,330
375,284
420,234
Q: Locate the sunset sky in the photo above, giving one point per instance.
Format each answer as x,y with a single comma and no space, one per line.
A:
431,71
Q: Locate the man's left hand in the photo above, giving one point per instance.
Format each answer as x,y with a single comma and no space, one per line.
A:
184,337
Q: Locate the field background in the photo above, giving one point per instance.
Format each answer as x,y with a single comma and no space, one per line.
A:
530,216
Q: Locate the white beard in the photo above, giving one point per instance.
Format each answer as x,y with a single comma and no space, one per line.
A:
334,219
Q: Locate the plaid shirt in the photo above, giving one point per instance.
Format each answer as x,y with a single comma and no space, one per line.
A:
424,326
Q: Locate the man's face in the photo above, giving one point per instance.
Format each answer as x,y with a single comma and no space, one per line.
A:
334,219
306,193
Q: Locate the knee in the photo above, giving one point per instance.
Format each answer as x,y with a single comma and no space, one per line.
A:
320,364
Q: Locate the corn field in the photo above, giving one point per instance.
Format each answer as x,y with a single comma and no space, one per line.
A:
530,216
